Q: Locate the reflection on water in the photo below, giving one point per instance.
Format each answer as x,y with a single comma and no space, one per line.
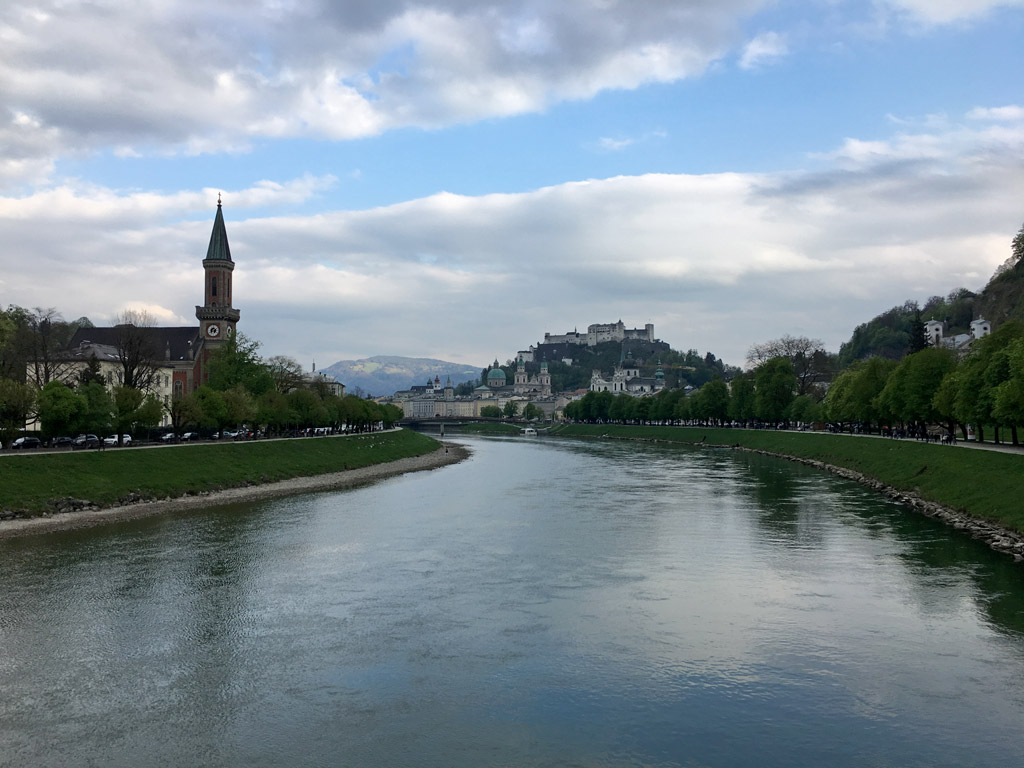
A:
546,603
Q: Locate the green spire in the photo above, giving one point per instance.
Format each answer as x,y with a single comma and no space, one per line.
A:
219,249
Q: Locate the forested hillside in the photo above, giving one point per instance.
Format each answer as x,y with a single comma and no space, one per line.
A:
895,332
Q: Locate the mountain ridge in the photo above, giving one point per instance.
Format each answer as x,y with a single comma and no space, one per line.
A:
386,374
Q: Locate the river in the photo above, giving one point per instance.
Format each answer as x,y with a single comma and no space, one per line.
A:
545,603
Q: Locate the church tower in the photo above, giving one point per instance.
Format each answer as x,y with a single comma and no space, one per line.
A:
521,379
217,318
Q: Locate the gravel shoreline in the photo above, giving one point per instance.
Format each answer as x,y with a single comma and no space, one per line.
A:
450,453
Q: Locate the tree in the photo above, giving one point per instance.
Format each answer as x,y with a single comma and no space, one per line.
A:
213,412
944,403
16,401
909,393
1016,258
184,411
391,414
619,407
979,376
639,409
808,357
853,395
134,409
91,374
681,411
307,407
286,372
511,409
775,386
240,405
273,413
96,418
711,402
1017,247
663,404
741,398
41,336
805,410
60,409
531,412
137,353
918,339
491,412
237,362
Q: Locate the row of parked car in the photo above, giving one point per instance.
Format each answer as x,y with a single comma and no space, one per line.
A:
82,441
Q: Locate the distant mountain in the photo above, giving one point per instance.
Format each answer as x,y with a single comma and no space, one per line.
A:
384,375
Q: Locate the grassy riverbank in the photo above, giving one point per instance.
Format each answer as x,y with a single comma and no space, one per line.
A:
986,484
28,483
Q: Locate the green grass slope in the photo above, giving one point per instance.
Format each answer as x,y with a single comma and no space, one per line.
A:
985,484
29,482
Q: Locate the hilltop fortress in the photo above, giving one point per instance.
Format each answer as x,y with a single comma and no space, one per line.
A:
600,333
554,346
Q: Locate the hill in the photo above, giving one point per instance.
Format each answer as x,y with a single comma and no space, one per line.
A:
889,334
385,375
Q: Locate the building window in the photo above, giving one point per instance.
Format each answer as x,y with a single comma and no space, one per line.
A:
178,389
213,285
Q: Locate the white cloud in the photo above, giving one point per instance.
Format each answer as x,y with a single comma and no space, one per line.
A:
716,261
765,47
200,77
1011,113
614,145
946,11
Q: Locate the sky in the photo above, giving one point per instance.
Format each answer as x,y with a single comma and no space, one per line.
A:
452,179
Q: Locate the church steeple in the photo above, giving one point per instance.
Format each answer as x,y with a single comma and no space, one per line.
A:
216,316
219,249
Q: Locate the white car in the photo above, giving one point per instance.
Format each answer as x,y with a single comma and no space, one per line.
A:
112,440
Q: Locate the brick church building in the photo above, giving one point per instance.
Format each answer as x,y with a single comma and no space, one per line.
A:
178,357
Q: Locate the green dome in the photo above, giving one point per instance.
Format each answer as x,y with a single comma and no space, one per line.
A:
494,374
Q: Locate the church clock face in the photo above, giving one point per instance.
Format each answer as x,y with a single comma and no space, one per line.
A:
213,331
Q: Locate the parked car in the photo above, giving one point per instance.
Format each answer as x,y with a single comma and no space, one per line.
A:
190,436
61,442
85,441
24,443
169,437
112,440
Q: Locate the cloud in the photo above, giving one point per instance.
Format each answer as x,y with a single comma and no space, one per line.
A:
1011,113
935,12
198,77
614,145
764,48
717,261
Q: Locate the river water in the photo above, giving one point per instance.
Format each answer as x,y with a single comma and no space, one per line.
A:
546,603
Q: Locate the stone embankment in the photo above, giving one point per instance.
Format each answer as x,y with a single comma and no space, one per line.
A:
998,537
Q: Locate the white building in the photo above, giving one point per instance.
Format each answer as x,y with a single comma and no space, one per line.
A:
934,330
